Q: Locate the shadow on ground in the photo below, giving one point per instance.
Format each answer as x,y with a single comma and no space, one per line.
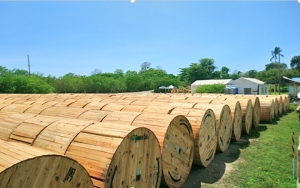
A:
216,170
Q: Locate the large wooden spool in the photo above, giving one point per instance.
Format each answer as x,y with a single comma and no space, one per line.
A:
276,105
25,166
246,106
255,109
280,105
58,135
15,108
117,155
134,108
94,105
94,115
266,110
112,107
203,123
175,135
63,112
223,125
286,103
30,128
10,122
237,116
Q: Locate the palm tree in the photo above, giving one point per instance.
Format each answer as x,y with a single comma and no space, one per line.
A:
276,53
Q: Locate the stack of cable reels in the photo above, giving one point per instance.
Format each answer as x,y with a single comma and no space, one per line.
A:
237,115
118,155
176,139
246,106
276,104
223,125
256,110
203,123
280,104
62,135
286,103
25,166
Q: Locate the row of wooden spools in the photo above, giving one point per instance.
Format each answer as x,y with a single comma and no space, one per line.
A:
121,140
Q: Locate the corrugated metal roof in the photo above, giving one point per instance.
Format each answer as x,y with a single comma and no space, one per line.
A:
205,82
296,79
254,80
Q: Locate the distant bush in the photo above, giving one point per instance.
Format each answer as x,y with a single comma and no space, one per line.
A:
211,88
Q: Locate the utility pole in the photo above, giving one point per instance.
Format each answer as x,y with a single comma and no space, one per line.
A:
28,64
279,50
279,76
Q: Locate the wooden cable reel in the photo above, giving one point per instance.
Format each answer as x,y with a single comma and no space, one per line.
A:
118,157
25,166
203,123
175,135
224,123
236,112
266,110
247,115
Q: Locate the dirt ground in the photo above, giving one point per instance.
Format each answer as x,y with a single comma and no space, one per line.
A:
215,174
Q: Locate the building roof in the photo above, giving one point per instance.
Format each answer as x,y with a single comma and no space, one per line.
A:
294,80
254,80
205,82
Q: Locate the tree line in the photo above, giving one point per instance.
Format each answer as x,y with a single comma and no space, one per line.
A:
19,81
148,78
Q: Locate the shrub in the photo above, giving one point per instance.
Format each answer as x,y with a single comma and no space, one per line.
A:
211,88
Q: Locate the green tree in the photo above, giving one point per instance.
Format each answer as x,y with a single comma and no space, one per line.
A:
250,74
198,71
276,53
273,65
119,72
295,62
236,74
224,72
145,66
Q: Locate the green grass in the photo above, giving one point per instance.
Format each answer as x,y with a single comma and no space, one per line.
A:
266,160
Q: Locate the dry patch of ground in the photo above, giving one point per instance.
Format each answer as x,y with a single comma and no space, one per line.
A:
216,173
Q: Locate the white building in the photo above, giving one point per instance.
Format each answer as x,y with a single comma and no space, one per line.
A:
244,85
251,86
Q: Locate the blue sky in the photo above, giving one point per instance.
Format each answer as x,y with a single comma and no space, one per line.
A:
78,37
